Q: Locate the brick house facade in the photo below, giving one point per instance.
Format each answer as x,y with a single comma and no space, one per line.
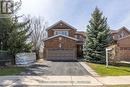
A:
64,42
120,33
120,50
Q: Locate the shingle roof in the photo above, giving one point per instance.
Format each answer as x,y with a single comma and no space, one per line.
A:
60,35
81,32
120,29
61,22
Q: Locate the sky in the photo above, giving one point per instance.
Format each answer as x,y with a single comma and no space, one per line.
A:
78,12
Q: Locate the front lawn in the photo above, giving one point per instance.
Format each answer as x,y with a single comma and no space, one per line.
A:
111,70
119,86
10,70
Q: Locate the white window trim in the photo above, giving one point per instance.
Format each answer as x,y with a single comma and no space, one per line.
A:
61,29
67,32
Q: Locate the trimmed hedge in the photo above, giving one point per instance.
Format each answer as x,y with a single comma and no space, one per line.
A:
5,58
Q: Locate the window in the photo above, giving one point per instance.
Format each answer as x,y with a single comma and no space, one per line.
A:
61,33
122,34
78,36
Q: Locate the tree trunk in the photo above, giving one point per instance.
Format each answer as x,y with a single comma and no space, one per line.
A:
13,60
37,55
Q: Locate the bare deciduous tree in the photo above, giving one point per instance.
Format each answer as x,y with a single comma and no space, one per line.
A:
38,29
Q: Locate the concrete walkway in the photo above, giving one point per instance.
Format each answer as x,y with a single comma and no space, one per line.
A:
89,69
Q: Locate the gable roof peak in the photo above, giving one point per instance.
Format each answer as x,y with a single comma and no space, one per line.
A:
123,27
60,35
61,21
120,29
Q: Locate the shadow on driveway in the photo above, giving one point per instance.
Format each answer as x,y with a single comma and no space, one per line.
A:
56,68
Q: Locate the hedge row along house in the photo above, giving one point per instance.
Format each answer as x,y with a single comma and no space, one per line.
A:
120,50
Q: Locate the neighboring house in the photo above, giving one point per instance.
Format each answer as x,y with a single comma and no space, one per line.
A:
64,42
120,33
120,50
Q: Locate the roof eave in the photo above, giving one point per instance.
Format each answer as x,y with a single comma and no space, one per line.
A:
59,22
60,35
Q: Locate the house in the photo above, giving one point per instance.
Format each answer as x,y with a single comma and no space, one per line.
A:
120,33
120,50
64,42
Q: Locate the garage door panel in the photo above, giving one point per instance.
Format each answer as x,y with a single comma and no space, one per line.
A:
60,54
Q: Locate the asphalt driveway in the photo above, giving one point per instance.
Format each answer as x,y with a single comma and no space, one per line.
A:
51,68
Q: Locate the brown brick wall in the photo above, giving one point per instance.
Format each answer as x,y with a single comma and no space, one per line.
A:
54,43
50,33
67,43
123,52
122,49
125,42
71,33
124,55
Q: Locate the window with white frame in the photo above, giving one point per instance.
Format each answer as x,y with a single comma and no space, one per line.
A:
61,33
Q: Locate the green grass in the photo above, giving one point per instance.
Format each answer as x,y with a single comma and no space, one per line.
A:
111,70
10,70
119,86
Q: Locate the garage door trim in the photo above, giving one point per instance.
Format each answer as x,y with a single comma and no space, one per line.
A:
59,56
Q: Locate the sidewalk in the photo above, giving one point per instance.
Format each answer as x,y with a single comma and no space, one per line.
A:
63,80
114,80
48,80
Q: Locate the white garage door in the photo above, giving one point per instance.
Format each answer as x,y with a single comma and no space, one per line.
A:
61,54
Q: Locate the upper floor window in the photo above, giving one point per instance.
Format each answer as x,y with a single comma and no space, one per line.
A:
62,33
121,35
79,36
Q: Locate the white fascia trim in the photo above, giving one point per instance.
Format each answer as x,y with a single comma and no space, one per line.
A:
61,29
124,37
63,36
59,22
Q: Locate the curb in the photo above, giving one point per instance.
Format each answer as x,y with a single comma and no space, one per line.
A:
90,70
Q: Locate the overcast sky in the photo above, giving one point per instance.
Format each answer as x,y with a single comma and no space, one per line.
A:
77,12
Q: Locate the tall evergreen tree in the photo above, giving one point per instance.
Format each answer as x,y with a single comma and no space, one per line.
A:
17,41
14,34
5,29
97,37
